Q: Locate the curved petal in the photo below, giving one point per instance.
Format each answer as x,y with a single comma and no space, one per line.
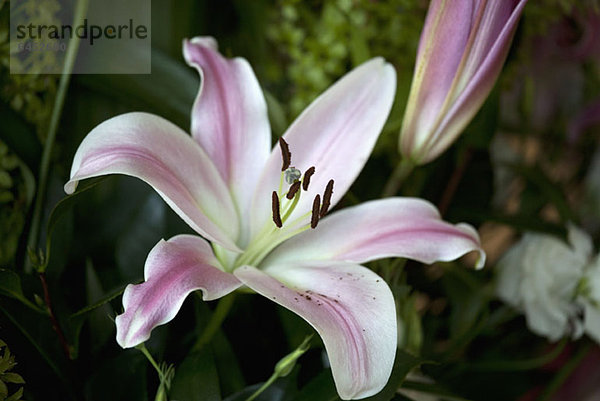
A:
481,70
340,301
174,269
336,134
491,33
158,152
229,117
400,227
591,321
441,48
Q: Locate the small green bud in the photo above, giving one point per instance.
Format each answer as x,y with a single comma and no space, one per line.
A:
287,363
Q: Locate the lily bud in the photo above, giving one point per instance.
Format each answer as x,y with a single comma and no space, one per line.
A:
462,49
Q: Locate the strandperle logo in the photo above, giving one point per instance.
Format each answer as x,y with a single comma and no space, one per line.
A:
89,32
104,36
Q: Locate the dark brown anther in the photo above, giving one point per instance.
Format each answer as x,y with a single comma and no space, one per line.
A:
314,218
286,155
293,189
326,198
306,180
275,207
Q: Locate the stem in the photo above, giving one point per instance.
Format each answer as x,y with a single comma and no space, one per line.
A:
262,388
215,322
61,93
452,186
564,373
526,364
61,337
400,173
165,375
150,359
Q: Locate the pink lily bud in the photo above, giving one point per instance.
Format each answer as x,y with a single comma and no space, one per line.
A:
462,49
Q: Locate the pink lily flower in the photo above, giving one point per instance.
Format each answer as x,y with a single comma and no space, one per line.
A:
462,49
262,226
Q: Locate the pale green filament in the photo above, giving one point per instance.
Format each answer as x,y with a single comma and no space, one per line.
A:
270,235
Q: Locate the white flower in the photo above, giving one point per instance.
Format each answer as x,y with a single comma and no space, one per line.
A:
540,276
590,299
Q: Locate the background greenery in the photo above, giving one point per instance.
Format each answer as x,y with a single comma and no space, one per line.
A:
523,164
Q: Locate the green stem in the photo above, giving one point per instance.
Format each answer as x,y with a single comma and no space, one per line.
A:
80,12
564,373
284,366
150,359
526,364
262,388
400,173
164,376
215,322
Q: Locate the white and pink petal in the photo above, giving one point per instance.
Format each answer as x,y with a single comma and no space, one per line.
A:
391,227
350,307
173,270
335,134
229,117
158,152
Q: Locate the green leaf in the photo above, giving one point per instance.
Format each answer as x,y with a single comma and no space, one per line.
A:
100,312
11,377
10,286
6,362
403,364
16,396
196,378
57,213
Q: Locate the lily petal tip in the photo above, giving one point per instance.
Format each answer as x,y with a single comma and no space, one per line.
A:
70,187
206,41
202,41
125,337
481,260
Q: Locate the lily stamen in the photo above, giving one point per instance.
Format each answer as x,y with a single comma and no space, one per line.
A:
293,189
326,199
314,218
275,207
286,155
306,180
